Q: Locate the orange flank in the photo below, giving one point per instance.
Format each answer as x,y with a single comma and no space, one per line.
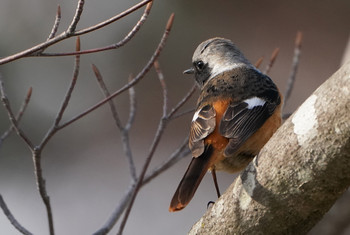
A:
215,138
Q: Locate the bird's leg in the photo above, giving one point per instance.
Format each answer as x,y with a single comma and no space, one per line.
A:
213,173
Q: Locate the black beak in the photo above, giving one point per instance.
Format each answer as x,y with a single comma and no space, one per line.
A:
189,71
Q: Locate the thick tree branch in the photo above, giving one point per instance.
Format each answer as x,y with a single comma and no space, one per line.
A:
297,176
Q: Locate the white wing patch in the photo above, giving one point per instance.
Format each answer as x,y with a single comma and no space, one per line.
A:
254,101
196,115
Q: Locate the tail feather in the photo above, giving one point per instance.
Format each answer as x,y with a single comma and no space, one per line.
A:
191,180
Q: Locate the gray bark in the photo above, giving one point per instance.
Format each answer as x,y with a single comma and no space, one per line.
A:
298,175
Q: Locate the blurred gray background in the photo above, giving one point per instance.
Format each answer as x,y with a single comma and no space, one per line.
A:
84,166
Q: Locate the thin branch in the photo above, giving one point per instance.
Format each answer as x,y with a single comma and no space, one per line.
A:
112,19
130,197
272,60
182,102
117,45
124,131
154,145
36,151
12,219
123,203
12,117
177,115
41,184
72,85
18,116
33,51
292,76
132,111
161,127
163,85
76,18
129,84
258,62
66,99
179,153
56,24
105,91
129,155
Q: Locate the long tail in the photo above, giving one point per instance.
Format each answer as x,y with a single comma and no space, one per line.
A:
191,180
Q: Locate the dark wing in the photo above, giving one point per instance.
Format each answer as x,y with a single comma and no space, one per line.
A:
203,123
243,119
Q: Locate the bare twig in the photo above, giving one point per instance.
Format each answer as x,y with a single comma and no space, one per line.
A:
105,91
132,111
117,45
36,156
272,61
258,62
123,130
129,199
177,115
18,116
179,153
112,19
292,76
55,126
12,117
76,18
129,84
157,137
128,154
125,133
124,202
171,114
56,24
72,85
41,183
163,85
33,51
12,219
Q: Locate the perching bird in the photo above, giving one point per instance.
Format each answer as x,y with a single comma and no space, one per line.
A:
238,110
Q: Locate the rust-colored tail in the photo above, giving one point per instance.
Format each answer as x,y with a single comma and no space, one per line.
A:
191,180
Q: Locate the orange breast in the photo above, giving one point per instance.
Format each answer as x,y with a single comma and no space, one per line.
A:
215,138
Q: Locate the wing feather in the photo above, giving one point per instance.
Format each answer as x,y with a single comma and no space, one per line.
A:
203,123
241,120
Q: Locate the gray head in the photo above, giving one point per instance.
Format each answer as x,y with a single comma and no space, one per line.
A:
215,56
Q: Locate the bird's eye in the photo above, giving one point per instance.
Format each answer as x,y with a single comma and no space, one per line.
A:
200,65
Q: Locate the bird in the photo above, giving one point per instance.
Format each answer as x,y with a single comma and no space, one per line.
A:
238,110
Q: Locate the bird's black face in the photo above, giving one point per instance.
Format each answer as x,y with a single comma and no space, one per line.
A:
201,72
